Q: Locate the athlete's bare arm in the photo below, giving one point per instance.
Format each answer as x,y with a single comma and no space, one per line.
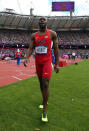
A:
56,50
30,49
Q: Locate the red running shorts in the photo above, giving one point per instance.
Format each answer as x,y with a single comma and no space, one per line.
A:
44,70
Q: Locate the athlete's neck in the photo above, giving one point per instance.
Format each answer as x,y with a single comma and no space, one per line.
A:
42,30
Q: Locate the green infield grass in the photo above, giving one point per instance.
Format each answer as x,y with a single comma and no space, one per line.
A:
68,106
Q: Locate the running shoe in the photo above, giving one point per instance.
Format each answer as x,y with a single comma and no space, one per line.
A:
44,117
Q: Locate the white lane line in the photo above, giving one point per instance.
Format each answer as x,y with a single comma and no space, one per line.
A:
16,77
26,74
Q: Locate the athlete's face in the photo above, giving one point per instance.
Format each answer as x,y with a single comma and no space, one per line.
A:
42,22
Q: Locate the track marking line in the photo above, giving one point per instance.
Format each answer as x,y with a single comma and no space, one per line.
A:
16,77
26,74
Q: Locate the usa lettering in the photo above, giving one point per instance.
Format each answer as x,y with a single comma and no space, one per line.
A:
41,41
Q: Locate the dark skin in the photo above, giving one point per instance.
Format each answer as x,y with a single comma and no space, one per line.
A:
44,82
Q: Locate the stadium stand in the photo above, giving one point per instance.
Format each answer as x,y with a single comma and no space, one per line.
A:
15,30
13,37
74,37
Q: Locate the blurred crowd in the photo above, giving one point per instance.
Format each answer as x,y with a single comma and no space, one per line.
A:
11,53
17,37
73,38
10,36
23,37
67,53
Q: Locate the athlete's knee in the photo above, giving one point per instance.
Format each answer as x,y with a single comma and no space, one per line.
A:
45,82
40,79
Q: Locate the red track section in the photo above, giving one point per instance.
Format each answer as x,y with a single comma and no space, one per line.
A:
10,72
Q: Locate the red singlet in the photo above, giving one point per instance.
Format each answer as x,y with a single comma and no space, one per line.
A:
43,53
18,54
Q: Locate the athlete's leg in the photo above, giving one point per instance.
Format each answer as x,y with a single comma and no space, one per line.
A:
41,85
47,71
45,85
39,74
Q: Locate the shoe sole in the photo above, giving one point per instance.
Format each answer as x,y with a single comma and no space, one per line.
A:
44,119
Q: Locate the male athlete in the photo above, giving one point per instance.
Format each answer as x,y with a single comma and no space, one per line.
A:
41,42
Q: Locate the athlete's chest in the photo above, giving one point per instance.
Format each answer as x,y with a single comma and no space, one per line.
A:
18,53
41,40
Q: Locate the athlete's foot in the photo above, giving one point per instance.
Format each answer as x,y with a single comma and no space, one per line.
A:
44,117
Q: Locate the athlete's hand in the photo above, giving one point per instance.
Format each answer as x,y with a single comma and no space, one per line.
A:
25,62
56,68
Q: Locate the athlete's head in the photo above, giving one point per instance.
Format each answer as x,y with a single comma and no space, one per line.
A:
42,23
18,50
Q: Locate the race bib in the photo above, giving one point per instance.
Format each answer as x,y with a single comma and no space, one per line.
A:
41,49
